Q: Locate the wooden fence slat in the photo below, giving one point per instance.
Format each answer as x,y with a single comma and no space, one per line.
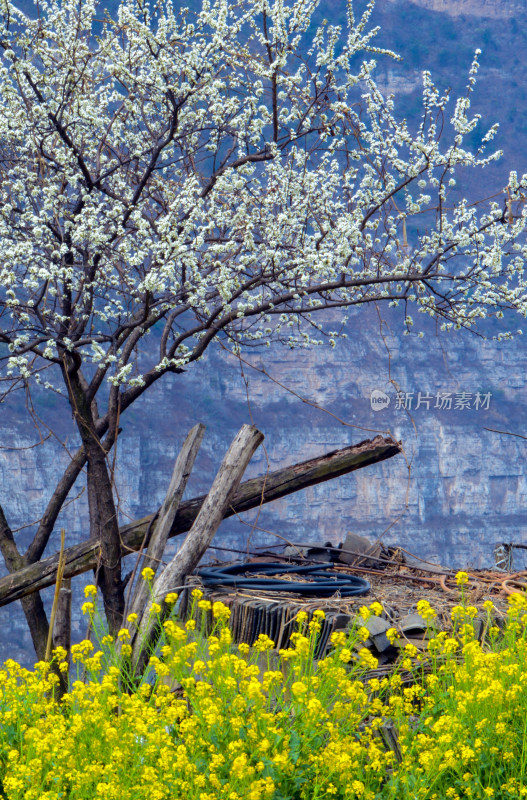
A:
163,525
198,539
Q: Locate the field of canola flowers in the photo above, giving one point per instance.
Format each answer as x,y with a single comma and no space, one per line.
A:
248,724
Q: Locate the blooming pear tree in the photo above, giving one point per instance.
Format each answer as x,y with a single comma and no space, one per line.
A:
222,174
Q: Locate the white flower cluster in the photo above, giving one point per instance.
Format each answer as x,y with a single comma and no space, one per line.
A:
225,173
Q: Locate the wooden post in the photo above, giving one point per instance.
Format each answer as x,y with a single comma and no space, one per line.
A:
198,538
58,584
156,546
62,627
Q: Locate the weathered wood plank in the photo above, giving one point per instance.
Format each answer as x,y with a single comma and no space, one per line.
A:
199,537
62,627
84,556
163,524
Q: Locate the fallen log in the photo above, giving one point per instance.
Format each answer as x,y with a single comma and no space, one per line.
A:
85,556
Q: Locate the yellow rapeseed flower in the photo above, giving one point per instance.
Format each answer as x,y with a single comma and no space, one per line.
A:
225,637
367,659
60,653
517,600
298,689
147,574
220,611
314,626
300,643
81,651
392,635
263,643
90,590
461,578
287,654
364,612
235,721
338,639
425,610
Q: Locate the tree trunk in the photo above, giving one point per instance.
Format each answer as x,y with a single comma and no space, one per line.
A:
62,627
103,515
32,604
62,632
37,621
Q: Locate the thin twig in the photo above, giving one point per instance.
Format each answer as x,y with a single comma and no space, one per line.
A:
506,433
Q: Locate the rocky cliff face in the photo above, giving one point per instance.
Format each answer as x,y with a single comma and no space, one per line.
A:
476,8
467,485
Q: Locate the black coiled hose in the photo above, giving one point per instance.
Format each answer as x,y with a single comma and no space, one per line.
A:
323,582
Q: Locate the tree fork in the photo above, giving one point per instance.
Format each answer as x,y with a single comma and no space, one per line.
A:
85,556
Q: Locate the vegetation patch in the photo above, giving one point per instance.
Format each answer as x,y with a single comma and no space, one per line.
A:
210,720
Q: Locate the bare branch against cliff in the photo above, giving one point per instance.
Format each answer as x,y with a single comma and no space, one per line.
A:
506,433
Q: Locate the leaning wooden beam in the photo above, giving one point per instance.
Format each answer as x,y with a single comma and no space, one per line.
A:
85,556
197,540
167,513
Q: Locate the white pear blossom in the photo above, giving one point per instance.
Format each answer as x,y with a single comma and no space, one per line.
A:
226,173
